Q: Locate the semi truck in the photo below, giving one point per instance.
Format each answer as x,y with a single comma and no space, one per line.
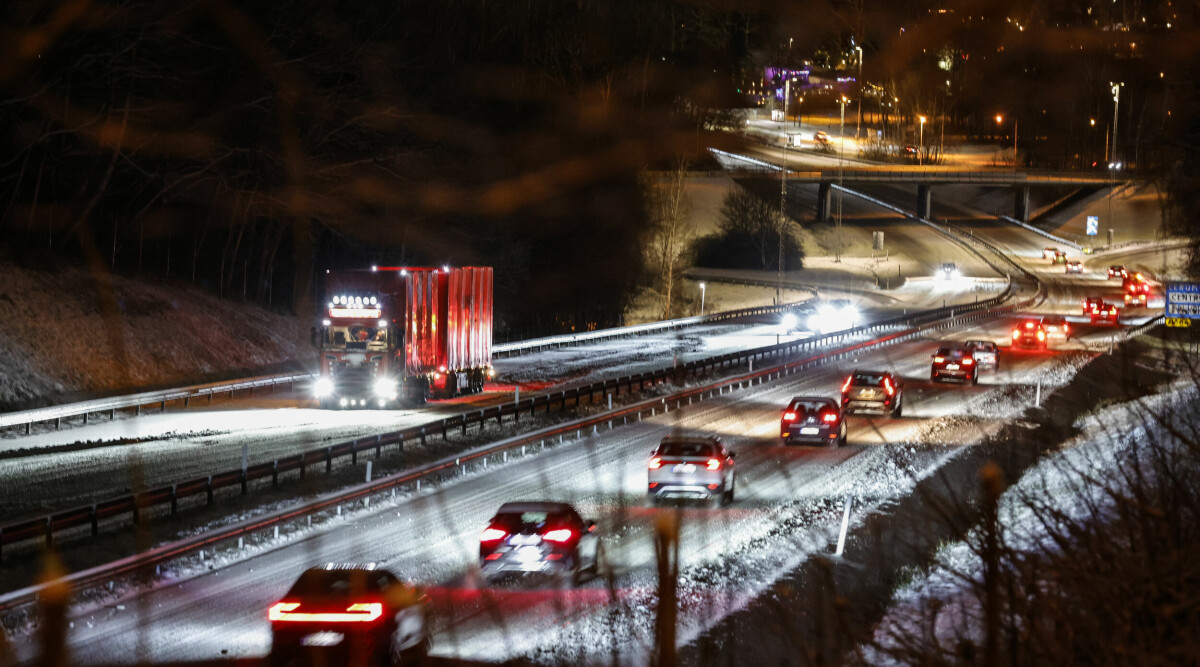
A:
390,335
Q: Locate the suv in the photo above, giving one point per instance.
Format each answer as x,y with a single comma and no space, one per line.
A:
948,271
691,467
986,353
956,363
1074,266
814,420
1117,271
538,537
879,391
1029,333
348,614
1091,303
1056,327
1136,289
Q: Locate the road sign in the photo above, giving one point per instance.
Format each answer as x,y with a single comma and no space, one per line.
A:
1182,322
1183,301
1093,225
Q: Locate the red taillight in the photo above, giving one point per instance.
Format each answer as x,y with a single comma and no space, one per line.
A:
1029,325
1016,334
1066,328
846,387
359,612
938,360
887,385
713,464
967,361
492,534
559,535
789,416
655,463
829,417
1041,335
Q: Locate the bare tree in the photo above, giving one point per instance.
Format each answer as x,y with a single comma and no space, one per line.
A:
667,208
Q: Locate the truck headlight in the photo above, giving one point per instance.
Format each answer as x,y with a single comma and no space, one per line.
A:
323,387
385,388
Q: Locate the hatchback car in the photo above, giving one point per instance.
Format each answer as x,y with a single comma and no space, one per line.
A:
813,419
1105,312
986,353
691,467
547,538
1029,333
954,363
1117,271
874,391
1074,266
348,615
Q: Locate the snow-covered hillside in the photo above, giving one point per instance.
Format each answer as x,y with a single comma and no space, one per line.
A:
65,333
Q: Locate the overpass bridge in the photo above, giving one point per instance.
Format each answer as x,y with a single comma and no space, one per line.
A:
924,177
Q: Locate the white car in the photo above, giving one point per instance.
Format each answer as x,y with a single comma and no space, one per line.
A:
949,271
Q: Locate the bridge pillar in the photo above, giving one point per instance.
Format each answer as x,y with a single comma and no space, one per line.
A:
824,199
924,201
1021,202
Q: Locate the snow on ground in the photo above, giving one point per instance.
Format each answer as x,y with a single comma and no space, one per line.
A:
62,331
1065,480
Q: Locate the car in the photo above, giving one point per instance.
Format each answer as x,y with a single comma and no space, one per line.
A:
1049,252
910,151
874,391
948,271
691,467
1117,271
539,538
1074,266
986,353
833,316
1136,288
1135,298
813,419
1056,327
1029,333
1060,257
1105,312
1090,304
955,363
821,138
354,614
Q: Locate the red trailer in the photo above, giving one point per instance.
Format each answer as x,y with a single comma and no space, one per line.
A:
403,333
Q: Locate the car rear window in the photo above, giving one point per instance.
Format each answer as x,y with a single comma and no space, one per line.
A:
867,379
953,352
677,448
810,407
339,583
530,522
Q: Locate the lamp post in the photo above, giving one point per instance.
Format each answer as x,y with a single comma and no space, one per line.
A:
860,93
921,150
1116,91
702,290
841,174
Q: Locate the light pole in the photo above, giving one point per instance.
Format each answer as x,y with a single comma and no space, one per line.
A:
841,175
860,92
1116,91
921,150
782,218
702,286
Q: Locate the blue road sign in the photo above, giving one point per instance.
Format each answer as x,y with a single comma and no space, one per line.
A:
1183,300
1093,225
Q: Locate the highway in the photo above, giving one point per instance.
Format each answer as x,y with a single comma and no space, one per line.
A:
788,506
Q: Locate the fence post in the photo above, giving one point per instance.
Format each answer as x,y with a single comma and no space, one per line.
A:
95,521
354,452
174,501
328,459
378,446
208,491
275,473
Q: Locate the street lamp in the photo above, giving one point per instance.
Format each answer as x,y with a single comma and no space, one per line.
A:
921,150
1116,91
702,286
860,92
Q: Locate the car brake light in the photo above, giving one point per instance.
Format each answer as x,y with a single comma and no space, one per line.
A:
1066,328
1029,325
1041,335
829,417
359,612
655,463
887,385
939,359
713,464
559,535
1016,334
789,416
967,361
846,386
492,534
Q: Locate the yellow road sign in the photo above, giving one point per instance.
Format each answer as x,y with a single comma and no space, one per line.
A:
1178,322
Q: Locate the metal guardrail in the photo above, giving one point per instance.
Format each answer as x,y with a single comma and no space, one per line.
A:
1035,230
929,320
136,505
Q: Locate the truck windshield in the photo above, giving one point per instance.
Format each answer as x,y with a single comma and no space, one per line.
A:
356,338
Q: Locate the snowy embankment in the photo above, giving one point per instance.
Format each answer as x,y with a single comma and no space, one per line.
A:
1092,556
65,334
